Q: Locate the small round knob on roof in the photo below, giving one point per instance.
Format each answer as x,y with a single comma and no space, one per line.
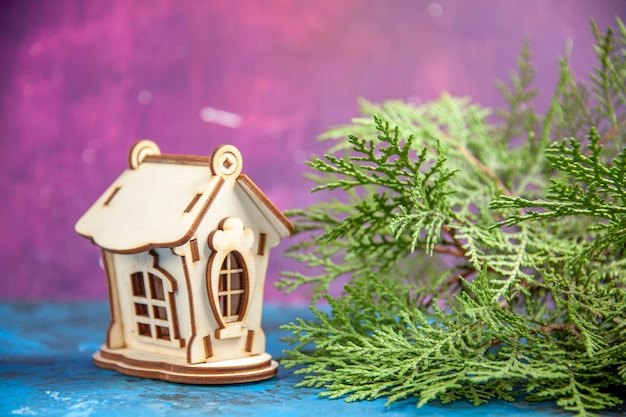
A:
226,161
140,150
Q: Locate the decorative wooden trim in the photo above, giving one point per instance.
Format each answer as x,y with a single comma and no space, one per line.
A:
231,331
249,340
192,339
175,322
179,159
114,314
189,295
208,347
192,311
214,307
110,198
140,151
195,254
226,161
261,247
193,202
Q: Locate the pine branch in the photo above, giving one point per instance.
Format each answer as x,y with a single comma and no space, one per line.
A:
608,78
395,352
594,189
519,234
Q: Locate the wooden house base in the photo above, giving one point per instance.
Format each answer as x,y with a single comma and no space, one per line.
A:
164,367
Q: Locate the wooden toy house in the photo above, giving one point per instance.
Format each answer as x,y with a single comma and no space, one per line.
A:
185,243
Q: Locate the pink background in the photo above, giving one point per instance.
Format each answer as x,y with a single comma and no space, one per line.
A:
80,81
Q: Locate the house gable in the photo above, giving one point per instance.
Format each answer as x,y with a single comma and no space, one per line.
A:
279,222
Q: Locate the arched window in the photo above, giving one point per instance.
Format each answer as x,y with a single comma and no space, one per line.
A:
154,309
230,277
233,283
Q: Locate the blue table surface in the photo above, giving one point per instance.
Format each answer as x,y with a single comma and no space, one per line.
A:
46,370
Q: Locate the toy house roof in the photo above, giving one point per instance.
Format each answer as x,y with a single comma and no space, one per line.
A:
162,199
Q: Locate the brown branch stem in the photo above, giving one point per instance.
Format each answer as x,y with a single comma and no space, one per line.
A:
484,169
455,279
548,329
452,233
448,250
609,135
560,327
478,164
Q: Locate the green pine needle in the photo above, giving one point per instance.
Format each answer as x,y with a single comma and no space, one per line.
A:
485,258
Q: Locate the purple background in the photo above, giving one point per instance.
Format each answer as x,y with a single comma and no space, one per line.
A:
80,81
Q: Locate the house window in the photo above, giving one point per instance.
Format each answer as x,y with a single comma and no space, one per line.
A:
153,309
232,287
230,276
